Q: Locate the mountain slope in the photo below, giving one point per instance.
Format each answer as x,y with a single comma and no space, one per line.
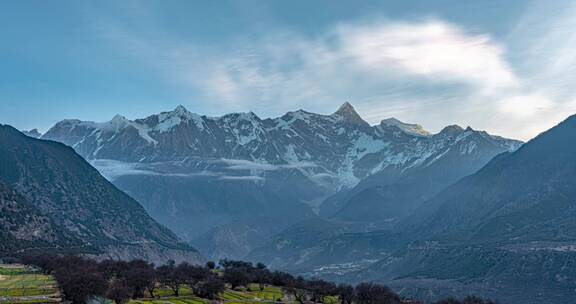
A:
528,195
23,227
390,194
66,190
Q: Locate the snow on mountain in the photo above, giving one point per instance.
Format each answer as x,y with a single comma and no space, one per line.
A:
412,129
341,145
411,168
32,133
168,120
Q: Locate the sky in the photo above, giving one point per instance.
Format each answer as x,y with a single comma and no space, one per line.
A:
506,66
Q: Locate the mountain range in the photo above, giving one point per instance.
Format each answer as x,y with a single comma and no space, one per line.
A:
201,175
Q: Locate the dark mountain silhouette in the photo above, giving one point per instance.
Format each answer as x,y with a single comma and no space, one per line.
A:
50,185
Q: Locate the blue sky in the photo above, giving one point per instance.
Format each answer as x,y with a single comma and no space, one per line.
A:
503,66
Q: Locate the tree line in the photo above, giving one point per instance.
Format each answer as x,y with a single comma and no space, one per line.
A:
81,279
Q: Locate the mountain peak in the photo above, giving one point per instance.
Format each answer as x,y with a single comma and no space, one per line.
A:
32,133
117,122
412,129
346,107
452,130
180,109
118,118
349,114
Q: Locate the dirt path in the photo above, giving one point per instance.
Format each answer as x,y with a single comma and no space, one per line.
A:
2,277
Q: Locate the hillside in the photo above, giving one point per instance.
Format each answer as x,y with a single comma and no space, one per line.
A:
56,188
23,227
397,192
518,197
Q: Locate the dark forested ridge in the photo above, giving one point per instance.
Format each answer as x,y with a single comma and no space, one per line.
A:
50,188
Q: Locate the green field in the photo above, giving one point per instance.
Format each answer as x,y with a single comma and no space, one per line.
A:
270,293
169,300
18,285
167,292
241,296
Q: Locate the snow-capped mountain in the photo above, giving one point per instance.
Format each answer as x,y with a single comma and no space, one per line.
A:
196,173
341,146
409,173
413,129
330,143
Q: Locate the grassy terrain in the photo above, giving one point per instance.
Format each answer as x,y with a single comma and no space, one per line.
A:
167,292
11,270
253,294
172,300
270,293
17,285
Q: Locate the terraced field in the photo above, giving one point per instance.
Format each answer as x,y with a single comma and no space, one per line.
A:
253,295
270,293
179,300
19,285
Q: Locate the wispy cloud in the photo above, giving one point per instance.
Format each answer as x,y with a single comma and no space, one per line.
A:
241,178
408,69
112,169
434,49
240,164
352,61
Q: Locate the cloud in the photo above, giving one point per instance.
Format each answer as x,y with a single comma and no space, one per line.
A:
241,178
543,41
240,164
112,169
437,50
426,71
525,105
287,70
